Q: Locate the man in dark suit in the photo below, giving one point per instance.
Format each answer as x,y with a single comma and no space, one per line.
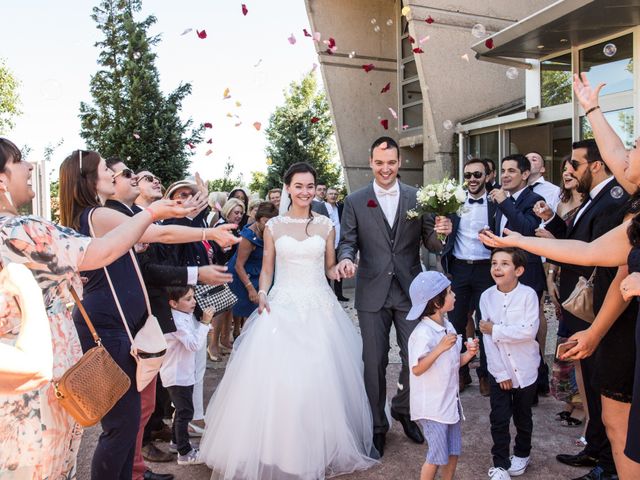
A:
468,262
491,176
601,211
515,212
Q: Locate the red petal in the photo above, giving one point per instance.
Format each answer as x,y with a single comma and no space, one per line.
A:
210,140
330,51
306,34
429,20
244,10
386,88
368,67
488,43
411,39
385,123
332,42
202,34
418,50
315,119
208,125
257,125
191,145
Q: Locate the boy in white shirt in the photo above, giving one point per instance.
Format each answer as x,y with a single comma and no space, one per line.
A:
434,358
510,327
178,372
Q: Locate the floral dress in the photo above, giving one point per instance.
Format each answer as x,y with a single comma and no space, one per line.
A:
38,439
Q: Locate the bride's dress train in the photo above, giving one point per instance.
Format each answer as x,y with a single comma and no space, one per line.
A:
292,403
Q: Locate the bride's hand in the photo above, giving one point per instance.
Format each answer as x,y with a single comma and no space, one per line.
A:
263,303
346,268
490,239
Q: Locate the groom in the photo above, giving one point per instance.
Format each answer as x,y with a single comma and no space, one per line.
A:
374,223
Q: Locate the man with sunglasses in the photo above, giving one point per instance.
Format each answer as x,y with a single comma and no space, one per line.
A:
467,260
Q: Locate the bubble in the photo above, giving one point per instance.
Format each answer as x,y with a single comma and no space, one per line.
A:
478,30
401,67
376,28
412,145
102,17
610,50
373,21
512,73
137,55
447,124
389,22
352,54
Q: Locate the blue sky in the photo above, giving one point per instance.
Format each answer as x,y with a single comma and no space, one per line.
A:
49,46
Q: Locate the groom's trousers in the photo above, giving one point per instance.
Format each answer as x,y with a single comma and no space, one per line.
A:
375,328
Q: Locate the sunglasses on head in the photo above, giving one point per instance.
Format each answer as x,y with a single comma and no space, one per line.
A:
468,175
149,178
126,173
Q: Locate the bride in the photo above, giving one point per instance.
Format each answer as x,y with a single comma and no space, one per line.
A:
292,403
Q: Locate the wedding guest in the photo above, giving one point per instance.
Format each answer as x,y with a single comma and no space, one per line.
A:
216,202
513,357
274,195
242,195
253,207
537,182
491,175
335,214
318,203
434,358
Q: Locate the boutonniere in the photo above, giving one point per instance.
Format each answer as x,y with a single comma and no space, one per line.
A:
372,204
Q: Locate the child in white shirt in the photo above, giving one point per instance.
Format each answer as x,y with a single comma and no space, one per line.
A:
434,358
510,310
178,372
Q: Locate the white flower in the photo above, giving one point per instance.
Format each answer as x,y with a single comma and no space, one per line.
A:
412,214
460,195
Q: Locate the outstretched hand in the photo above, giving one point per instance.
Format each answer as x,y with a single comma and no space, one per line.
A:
586,95
490,239
222,235
163,209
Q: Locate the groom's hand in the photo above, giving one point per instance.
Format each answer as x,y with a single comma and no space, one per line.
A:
346,268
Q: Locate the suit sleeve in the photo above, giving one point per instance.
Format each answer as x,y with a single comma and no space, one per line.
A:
429,236
557,227
156,274
348,246
524,221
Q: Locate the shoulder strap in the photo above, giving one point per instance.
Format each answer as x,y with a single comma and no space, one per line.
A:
92,329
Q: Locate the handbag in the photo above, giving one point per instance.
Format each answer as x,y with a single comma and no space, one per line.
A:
580,302
220,298
149,346
91,387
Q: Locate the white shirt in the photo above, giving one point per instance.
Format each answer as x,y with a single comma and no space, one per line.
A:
474,217
504,219
592,194
388,200
512,351
179,365
335,218
548,191
434,394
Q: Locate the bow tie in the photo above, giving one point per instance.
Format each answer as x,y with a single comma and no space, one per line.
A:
391,193
473,200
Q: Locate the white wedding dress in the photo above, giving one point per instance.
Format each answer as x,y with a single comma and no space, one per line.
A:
292,403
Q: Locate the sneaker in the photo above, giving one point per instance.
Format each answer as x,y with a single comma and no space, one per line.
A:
173,447
195,430
497,473
518,465
190,458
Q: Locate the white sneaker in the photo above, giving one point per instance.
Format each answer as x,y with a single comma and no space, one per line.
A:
497,473
518,465
173,447
195,430
190,458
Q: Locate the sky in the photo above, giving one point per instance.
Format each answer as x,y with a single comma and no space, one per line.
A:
49,46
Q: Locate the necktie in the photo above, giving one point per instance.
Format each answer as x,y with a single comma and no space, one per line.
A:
474,200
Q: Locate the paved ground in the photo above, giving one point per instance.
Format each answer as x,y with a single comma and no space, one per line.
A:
402,459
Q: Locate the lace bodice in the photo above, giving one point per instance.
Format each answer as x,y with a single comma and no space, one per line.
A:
300,248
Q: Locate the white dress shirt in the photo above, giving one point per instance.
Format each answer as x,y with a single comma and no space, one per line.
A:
548,191
512,351
473,218
388,200
434,394
504,219
179,365
335,218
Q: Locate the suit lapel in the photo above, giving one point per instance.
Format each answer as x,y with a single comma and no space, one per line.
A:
376,212
403,203
602,192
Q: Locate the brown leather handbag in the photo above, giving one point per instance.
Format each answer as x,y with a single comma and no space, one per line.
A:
91,387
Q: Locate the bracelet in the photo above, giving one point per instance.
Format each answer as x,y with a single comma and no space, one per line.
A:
153,216
204,234
262,292
248,283
592,109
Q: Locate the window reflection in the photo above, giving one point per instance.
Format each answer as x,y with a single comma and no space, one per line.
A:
555,80
484,145
620,120
616,71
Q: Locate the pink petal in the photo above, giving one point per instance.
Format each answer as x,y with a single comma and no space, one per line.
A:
306,34
317,36
424,39
208,152
368,67
208,125
404,127
411,39
202,34
257,126
136,136
385,123
393,113
292,39
244,10
386,88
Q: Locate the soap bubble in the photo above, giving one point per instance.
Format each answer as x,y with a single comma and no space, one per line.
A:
389,22
373,21
352,54
412,145
610,50
447,124
376,28
137,55
478,30
512,73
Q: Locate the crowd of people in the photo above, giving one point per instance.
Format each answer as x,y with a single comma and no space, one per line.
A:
304,395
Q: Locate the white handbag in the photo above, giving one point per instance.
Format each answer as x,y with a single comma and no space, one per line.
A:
149,346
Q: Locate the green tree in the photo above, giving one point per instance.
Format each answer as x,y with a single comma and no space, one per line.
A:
130,117
258,183
556,87
9,99
228,181
301,130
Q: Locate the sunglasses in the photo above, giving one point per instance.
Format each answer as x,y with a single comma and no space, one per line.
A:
126,173
468,175
576,164
149,178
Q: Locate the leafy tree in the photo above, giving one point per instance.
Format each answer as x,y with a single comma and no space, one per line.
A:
556,87
9,100
258,183
228,181
301,130
130,117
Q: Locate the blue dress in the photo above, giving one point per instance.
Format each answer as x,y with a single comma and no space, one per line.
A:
252,266
632,449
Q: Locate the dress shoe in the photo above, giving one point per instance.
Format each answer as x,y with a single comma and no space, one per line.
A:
598,474
411,429
149,475
378,442
580,459
485,389
343,299
164,435
151,453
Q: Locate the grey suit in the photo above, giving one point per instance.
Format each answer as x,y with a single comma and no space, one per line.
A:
319,207
389,261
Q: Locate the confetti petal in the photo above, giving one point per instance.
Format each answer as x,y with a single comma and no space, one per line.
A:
186,30
411,39
269,161
218,207
191,145
238,104
292,39
210,141
383,146
424,39
404,127
386,88
465,57
257,126
315,119
332,42
208,125
136,136
226,95
429,20
368,67
245,10
405,11
385,123
238,124
258,64
317,36
202,34
315,65
393,113
306,34
208,152
418,50
229,114
489,43
331,50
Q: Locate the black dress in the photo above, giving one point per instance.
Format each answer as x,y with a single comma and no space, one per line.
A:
632,449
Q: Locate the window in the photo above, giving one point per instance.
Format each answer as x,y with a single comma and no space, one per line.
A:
620,120
615,70
410,92
484,145
556,81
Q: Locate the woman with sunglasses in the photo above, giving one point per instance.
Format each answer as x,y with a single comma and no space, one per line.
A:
38,439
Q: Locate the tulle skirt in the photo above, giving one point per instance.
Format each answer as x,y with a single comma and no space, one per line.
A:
292,403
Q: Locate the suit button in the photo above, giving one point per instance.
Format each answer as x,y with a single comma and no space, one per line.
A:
390,273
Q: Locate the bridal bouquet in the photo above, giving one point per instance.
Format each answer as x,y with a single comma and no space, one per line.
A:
441,199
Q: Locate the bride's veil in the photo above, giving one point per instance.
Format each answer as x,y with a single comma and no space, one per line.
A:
285,201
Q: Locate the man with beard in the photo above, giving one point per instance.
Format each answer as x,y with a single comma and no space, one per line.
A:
467,260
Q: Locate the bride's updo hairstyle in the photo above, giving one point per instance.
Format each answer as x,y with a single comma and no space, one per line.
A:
300,167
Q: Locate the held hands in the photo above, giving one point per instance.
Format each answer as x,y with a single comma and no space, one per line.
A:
497,195
486,327
490,239
587,96
222,235
345,269
207,315
587,340
630,286
542,210
443,225
448,341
